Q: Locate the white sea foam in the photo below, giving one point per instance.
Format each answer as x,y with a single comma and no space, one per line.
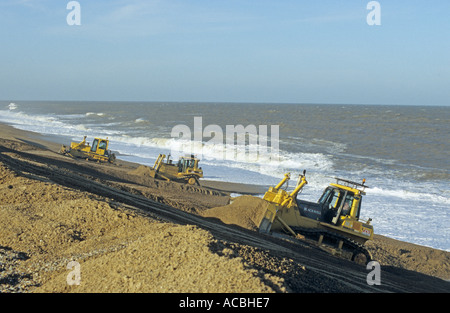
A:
95,114
405,194
237,156
45,124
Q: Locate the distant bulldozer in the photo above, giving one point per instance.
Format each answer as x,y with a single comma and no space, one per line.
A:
186,170
97,152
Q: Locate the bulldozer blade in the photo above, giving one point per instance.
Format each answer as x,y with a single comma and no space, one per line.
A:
266,222
265,225
63,149
286,226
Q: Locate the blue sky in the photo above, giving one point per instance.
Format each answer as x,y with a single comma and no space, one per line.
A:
226,51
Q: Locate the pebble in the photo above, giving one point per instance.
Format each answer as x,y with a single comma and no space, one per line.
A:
11,279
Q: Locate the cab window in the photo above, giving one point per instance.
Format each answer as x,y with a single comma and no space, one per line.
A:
94,145
336,200
348,202
325,195
102,145
332,198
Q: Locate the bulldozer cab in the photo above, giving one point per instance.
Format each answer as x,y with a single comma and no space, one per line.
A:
187,164
100,146
339,204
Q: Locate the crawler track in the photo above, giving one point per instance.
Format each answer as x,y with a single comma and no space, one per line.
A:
355,248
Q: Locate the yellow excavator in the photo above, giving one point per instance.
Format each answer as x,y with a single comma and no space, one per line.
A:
186,170
97,152
333,220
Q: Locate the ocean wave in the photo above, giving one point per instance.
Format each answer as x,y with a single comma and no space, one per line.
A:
406,194
248,157
94,113
45,124
253,157
141,120
331,147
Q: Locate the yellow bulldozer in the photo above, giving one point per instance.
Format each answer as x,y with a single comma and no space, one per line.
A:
97,152
333,221
186,170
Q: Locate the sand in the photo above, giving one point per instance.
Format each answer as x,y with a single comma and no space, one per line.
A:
244,211
119,249
132,233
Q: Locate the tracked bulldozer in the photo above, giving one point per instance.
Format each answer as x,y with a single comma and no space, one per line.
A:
186,170
97,152
334,221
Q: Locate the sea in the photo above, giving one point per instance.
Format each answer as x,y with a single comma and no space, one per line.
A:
402,152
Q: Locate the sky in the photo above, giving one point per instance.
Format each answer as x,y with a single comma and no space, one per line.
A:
275,51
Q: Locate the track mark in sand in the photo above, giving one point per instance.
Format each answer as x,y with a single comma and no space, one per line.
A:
314,260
